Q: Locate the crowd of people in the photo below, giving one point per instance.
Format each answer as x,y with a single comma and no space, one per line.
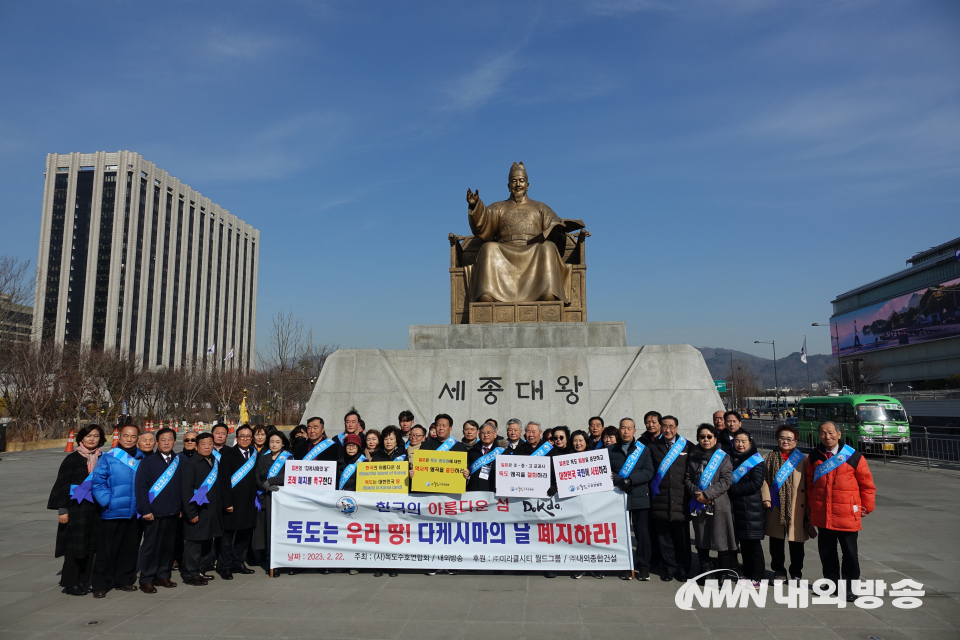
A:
143,508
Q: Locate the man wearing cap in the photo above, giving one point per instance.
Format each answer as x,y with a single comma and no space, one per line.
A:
519,260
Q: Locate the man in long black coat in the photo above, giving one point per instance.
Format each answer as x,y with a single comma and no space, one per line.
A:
239,495
159,513
201,521
669,508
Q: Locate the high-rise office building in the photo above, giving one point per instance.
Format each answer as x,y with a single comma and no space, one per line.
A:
133,260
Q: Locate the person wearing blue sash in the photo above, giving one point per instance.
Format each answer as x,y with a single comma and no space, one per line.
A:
785,497
746,499
239,491
158,503
391,446
316,446
840,493
533,440
631,467
668,508
443,441
708,478
77,513
119,537
269,470
220,433
200,484
595,427
481,461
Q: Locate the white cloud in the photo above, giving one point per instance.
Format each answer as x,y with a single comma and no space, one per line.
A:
246,46
481,85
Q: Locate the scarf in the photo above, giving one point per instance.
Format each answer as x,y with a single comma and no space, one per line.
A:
775,460
92,455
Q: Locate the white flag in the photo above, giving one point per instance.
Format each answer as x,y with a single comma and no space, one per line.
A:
211,349
803,351
229,355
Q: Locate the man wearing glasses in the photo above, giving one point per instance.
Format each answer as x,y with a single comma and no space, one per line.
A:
417,435
189,448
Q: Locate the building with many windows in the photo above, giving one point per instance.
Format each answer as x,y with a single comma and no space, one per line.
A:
133,259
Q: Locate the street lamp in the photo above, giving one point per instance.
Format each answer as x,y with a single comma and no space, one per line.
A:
839,358
776,381
733,394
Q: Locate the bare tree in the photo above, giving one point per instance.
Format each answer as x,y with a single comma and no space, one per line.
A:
855,376
284,352
743,385
16,290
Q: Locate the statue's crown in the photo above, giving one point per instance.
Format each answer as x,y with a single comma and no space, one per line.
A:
518,168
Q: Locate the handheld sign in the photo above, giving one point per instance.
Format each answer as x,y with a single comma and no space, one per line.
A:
383,477
311,474
439,471
523,476
582,473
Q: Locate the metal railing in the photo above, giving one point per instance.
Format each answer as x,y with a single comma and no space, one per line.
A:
927,444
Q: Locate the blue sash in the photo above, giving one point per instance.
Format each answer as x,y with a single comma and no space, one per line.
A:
83,491
200,495
826,467
483,461
125,458
599,444
785,472
666,463
320,448
163,480
242,472
709,471
216,454
447,444
400,458
278,463
543,450
349,471
631,462
341,438
745,466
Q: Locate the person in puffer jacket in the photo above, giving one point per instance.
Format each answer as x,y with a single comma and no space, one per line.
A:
749,514
114,489
838,496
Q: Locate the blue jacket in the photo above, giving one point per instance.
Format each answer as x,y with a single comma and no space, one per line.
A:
113,487
167,502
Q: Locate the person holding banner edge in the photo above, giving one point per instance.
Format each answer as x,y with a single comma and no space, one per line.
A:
631,465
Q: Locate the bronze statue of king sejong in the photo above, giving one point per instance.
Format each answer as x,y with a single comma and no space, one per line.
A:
520,259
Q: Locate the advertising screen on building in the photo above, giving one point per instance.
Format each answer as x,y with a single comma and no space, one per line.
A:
927,314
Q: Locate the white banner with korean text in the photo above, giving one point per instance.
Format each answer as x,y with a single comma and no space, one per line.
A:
471,531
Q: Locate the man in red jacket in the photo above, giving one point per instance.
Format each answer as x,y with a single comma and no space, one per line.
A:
840,492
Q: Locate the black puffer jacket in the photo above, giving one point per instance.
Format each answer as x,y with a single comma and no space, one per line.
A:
670,505
749,514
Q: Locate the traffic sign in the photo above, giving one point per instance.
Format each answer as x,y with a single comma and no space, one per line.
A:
721,386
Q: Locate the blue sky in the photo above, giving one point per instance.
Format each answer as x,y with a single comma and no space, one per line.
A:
738,163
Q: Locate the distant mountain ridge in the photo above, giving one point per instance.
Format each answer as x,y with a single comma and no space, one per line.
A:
791,372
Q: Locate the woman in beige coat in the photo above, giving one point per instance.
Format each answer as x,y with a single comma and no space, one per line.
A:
788,518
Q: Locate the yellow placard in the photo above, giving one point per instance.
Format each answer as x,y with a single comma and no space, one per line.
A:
439,471
383,477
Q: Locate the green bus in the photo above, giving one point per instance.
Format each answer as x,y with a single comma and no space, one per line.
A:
869,423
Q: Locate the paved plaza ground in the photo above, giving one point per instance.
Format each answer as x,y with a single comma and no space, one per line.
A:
914,533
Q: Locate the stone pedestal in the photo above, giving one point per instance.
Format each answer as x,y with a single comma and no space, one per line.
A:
463,374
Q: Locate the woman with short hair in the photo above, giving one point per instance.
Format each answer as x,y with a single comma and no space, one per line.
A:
784,494
749,514
707,479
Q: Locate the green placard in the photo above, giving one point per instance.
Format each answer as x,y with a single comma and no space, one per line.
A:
721,386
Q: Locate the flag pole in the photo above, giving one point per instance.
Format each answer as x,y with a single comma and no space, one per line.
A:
807,358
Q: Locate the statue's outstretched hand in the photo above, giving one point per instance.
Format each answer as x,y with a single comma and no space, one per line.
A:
473,198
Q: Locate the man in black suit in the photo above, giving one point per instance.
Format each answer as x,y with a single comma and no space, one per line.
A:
201,503
316,433
444,425
158,502
239,498
484,477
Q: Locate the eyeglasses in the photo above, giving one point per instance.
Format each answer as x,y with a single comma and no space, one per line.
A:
707,436
782,439
185,441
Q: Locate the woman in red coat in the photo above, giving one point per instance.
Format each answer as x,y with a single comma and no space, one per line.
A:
840,492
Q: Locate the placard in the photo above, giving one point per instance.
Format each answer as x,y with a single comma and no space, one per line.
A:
439,471
472,531
383,477
523,476
310,474
582,473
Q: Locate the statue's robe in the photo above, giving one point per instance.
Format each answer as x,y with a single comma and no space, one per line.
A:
519,260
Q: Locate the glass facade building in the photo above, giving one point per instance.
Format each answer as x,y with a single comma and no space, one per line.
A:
167,289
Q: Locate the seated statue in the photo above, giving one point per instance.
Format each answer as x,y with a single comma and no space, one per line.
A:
521,258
